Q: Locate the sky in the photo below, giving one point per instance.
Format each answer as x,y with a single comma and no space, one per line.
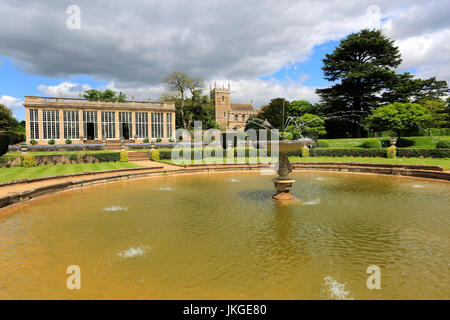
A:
265,48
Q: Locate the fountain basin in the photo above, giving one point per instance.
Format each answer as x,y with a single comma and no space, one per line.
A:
220,236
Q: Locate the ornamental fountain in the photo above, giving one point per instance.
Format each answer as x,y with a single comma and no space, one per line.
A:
283,183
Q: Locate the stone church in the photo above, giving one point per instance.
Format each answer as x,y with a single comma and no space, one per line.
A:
229,115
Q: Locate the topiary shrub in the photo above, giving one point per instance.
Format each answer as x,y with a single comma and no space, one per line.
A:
154,155
305,152
371,143
51,141
73,157
444,144
145,140
4,143
391,152
28,161
68,141
158,140
123,156
322,144
33,142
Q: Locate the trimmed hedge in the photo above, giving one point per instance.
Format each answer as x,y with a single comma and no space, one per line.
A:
426,153
371,143
322,144
107,156
443,144
376,152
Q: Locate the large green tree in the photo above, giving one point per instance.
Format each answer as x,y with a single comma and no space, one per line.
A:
181,83
439,111
359,69
298,108
273,112
107,95
402,118
405,88
7,120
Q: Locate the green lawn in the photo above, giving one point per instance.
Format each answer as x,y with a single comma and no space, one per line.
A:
14,173
420,142
445,163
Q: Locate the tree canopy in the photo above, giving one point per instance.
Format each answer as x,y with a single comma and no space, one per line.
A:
402,118
7,120
181,83
359,68
107,95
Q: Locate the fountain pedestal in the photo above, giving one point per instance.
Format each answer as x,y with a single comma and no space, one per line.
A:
283,183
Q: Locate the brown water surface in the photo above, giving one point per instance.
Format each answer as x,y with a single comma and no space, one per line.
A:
220,236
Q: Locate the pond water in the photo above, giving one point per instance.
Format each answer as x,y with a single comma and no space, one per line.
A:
221,236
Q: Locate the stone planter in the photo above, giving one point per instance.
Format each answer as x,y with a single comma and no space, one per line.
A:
393,141
23,148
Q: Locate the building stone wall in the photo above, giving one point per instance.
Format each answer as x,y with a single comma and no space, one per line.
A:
229,115
79,105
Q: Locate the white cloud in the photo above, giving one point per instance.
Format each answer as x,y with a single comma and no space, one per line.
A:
138,43
15,104
428,53
65,89
11,102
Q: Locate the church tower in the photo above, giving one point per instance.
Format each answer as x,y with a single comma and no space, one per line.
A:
220,98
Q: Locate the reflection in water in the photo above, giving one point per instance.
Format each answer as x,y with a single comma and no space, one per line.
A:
210,238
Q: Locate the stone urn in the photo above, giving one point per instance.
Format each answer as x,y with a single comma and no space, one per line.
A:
81,139
23,148
283,183
393,141
135,138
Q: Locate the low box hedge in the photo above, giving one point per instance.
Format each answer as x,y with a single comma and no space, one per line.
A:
107,156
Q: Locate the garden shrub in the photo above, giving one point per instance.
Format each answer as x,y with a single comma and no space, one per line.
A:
107,156
443,144
4,143
155,155
123,156
425,153
51,141
28,161
391,152
145,140
322,144
73,157
33,142
68,141
371,143
158,140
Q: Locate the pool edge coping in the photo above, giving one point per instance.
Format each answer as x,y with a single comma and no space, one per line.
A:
122,174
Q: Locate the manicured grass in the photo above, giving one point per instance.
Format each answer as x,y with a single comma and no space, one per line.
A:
445,163
420,142
15,173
